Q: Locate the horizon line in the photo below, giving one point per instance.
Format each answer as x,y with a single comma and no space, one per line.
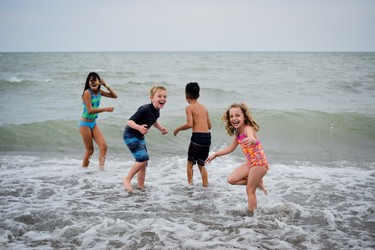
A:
191,51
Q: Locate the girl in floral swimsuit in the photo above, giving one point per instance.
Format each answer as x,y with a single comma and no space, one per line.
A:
240,124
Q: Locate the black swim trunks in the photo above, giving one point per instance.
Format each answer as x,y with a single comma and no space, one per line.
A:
199,147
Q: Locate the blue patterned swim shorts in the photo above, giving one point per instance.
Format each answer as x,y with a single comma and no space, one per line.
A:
137,147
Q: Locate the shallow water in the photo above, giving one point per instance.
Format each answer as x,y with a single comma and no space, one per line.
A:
53,203
317,119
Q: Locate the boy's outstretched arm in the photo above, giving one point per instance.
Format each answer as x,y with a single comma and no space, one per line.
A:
188,124
141,128
161,128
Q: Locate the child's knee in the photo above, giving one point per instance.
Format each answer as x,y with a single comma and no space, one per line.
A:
201,168
250,189
230,180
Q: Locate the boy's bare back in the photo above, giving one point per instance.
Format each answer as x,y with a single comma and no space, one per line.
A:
200,120
197,117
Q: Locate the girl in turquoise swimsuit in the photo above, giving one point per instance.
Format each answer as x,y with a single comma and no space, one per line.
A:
87,125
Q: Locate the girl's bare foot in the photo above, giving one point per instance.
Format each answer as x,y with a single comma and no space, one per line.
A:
86,162
249,213
127,184
101,162
261,187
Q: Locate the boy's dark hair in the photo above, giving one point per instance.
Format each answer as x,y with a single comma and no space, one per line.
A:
192,90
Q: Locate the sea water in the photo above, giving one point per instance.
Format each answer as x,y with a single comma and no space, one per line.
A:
317,117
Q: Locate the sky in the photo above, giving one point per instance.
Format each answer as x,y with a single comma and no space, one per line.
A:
187,25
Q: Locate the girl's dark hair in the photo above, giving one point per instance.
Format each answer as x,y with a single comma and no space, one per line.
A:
91,75
192,90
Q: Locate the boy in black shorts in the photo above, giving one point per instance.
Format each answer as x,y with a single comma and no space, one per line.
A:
198,119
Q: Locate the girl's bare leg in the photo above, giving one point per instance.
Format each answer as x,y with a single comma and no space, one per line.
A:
239,175
261,187
89,146
133,171
253,181
204,175
99,139
189,171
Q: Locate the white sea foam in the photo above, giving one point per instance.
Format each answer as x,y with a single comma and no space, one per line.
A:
15,79
49,202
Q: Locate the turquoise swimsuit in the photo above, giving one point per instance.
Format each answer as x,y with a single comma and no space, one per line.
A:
95,102
91,125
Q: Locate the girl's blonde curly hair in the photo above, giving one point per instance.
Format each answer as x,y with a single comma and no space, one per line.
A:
247,114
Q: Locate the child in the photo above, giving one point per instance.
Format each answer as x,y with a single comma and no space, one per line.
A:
239,122
137,126
198,119
87,125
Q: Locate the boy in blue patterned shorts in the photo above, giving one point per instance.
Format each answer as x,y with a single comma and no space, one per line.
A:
137,126
198,119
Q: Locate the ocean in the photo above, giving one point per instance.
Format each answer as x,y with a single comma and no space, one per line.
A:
316,112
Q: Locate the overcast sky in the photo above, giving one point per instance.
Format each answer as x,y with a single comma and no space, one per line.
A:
187,25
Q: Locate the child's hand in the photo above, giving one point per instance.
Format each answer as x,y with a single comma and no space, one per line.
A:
164,131
102,82
175,132
248,141
110,109
210,158
143,129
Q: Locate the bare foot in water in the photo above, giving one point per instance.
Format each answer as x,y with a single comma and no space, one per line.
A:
261,187
249,213
101,163
127,184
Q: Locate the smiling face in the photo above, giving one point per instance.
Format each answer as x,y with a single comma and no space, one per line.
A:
94,83
237,118
159,98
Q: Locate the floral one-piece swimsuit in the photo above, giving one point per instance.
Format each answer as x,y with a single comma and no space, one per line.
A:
254,153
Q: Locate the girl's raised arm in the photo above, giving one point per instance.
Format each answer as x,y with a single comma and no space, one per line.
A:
111,93
250,136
